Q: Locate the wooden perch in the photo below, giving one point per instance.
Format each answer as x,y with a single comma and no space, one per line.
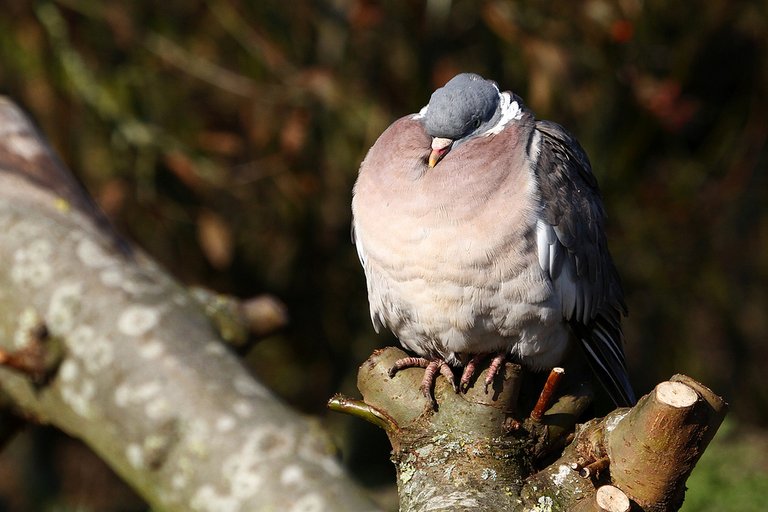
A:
143,378
455,458
465,454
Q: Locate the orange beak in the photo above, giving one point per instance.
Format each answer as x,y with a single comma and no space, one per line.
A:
440,147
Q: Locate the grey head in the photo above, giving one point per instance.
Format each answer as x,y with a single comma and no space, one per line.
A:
466,106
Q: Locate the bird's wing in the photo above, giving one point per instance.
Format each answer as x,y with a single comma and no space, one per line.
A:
572,249
377,317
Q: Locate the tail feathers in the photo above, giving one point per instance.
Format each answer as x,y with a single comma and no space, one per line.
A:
602,342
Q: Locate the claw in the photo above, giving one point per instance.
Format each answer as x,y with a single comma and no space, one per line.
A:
429,379
447,372
408,362
496,363
469,371
431,367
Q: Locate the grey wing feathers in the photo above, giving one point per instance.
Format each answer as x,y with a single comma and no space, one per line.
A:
573,250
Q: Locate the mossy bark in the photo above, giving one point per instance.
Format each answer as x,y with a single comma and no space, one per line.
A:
462,447
481,451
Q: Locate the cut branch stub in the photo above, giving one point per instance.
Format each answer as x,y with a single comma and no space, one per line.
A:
38,357
611,499
242,323
655,446
462,446
650,449
606,499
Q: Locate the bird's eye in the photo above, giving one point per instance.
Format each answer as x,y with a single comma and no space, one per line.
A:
477,123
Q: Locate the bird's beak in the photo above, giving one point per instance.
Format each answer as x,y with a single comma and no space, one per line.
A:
440,147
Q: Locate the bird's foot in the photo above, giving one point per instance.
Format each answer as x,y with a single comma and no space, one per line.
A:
469,371
493,369
431,367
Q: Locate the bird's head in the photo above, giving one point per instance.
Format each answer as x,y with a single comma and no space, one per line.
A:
465,107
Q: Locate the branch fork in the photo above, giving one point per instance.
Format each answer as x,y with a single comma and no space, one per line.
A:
477,449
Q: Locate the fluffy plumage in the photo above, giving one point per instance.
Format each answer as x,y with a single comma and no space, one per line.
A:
497,248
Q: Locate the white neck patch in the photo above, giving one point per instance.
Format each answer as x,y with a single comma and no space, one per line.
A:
421,113
510,111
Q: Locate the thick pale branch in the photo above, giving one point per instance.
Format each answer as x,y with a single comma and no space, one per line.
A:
144,378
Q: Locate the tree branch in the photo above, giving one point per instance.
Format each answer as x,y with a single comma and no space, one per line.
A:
482,450
144,378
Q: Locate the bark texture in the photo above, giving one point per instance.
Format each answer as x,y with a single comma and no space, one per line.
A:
100,342
482,451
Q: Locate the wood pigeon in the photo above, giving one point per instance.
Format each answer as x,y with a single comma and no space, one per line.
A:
480,230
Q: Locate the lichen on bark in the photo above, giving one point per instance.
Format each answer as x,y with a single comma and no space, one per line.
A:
143,377
480,450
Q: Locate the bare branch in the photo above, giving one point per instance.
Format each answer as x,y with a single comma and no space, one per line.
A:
144,378
481,450
360,409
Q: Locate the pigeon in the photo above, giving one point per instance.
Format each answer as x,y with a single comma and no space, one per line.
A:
480,230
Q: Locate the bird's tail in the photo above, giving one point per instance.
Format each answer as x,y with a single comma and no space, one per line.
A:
602,342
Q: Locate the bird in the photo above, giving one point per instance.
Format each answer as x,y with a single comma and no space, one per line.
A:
480,230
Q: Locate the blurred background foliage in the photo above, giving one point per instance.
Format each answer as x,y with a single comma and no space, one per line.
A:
224,137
